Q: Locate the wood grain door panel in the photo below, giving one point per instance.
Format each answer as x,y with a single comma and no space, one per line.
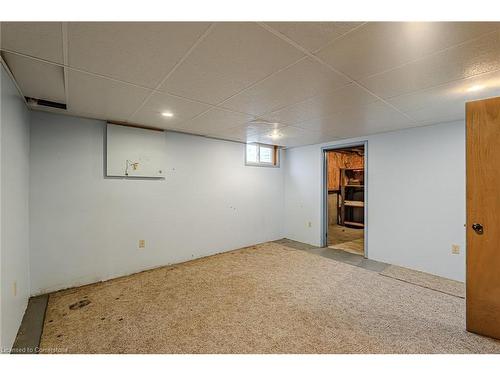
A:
483,207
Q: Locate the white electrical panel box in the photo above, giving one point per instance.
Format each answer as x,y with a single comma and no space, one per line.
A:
135,152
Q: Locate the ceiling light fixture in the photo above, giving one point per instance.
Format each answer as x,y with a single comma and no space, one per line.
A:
275,134
167,114
475,88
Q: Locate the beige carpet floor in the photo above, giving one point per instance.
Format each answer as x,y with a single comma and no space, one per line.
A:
455,288
262,299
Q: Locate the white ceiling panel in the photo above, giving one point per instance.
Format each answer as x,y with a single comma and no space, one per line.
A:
447,102
379,46
476,57
181,109
224,75
372,118
37,39
303,80
232,57
37,79
252,130
240,133
313,35
348,97
290,136
214,121
137,52
102,98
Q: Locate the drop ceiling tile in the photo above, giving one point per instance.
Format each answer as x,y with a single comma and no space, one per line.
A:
350,96
261,125
182,110
37,79
447,102
214,121
239,133
137,52
476,57
313,35
303,80
230,58
309,139
101,98
378,46
37,39
290,136
372,118
249,131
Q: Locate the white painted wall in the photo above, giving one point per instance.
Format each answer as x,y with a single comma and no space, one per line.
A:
14,177
416,197
86,228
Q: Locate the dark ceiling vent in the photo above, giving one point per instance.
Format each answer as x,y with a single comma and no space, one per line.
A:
45,103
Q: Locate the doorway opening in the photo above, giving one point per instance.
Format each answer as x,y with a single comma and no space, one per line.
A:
345,199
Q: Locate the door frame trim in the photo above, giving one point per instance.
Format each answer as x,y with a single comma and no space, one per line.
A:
324,190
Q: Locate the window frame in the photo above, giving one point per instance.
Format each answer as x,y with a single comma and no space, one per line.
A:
275,150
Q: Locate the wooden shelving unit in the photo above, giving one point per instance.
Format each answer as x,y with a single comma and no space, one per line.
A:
351,202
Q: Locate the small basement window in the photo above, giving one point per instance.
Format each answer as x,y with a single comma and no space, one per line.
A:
262,155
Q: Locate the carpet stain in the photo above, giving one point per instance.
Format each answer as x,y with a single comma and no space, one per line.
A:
260,299
79,304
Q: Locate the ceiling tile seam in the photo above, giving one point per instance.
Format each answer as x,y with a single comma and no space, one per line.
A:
310,131
329,115
443,84
330,41
235,128
212,106
287,106
252,85
64,31
432,54
91,117
182,97
239,125
97,75
390,105
422,125
316,95
339,37
314,131
77,69
156,90
220,104
175,67
344,109
285,38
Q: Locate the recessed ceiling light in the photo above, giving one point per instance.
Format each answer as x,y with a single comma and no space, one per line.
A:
475,88
167,114
275,134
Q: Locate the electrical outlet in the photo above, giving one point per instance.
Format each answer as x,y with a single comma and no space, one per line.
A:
142,244
14,288
455,249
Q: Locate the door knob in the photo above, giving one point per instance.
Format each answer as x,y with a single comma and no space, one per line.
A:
478,228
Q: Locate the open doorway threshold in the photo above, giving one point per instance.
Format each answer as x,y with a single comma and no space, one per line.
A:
353,247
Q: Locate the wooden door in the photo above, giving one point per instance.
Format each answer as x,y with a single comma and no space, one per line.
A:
483,217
